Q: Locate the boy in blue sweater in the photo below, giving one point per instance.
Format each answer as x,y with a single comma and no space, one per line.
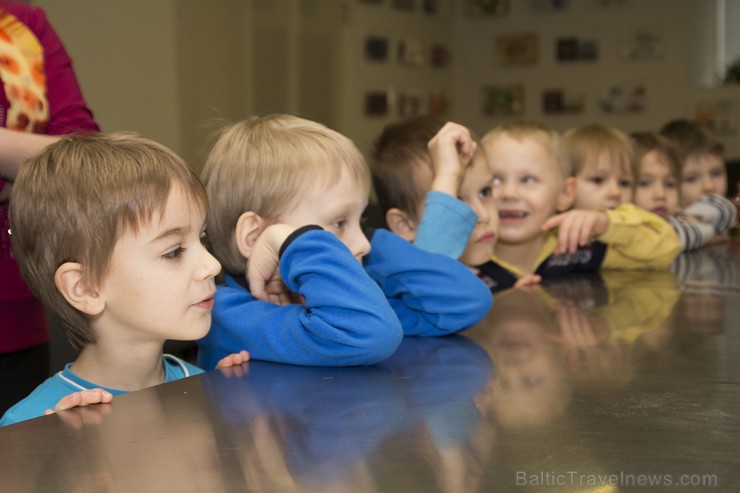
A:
304,284
108,230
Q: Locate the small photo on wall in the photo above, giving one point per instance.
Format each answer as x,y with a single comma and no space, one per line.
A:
516,49
411,52
503,100
377,103
572,49
624,98
409,103
439,56
438,103
376,49
561,101
642,44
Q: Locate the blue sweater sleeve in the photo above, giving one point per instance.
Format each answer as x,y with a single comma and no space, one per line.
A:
446,225
344,321
433,295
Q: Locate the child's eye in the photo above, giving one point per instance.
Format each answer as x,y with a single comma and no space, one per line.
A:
173,254
624,183
643,183
717,173
691,179
485,192
529,180
670,184
596,180
341,224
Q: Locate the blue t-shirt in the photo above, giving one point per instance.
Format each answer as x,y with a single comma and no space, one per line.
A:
64,382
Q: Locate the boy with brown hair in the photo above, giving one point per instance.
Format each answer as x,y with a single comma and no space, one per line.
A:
108,233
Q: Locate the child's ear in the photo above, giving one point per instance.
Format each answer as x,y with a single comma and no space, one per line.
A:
248,228
400,223
70,280
568,195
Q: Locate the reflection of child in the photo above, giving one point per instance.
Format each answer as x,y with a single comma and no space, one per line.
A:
122,266
304,284
701,155
658,190
532,188
602,159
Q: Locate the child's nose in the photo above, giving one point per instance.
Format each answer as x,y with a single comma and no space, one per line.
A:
210,267
361,246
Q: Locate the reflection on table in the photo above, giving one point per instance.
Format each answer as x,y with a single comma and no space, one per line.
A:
594,383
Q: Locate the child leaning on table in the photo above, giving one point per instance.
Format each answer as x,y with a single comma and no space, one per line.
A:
703,169
602,158
434,188
108,232
658,189
533,189
304,284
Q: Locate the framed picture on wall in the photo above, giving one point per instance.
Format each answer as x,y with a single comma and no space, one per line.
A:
516,49
503,100
377,103
376,48
642,44
624,98
562,101
410,52
439,56
410,103
438,103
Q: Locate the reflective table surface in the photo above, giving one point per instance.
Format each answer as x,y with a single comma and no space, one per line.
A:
625,381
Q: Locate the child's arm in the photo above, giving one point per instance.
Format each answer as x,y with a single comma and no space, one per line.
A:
446,223
576,227
637,238
716,210
345,319
432,294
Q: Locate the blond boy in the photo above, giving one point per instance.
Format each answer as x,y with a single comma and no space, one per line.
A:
534,190
602,158
108,234
304,284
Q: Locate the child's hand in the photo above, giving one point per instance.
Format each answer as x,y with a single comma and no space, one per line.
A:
576,227
263,268
83,398
234,359
451,150
528,282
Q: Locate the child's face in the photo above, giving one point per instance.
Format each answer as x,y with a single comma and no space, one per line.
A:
337,209
702,175
657,187
603,184
528,187
476,190
160,281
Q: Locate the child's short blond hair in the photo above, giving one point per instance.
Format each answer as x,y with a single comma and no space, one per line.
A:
73,202
543,135
263,165
587,143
